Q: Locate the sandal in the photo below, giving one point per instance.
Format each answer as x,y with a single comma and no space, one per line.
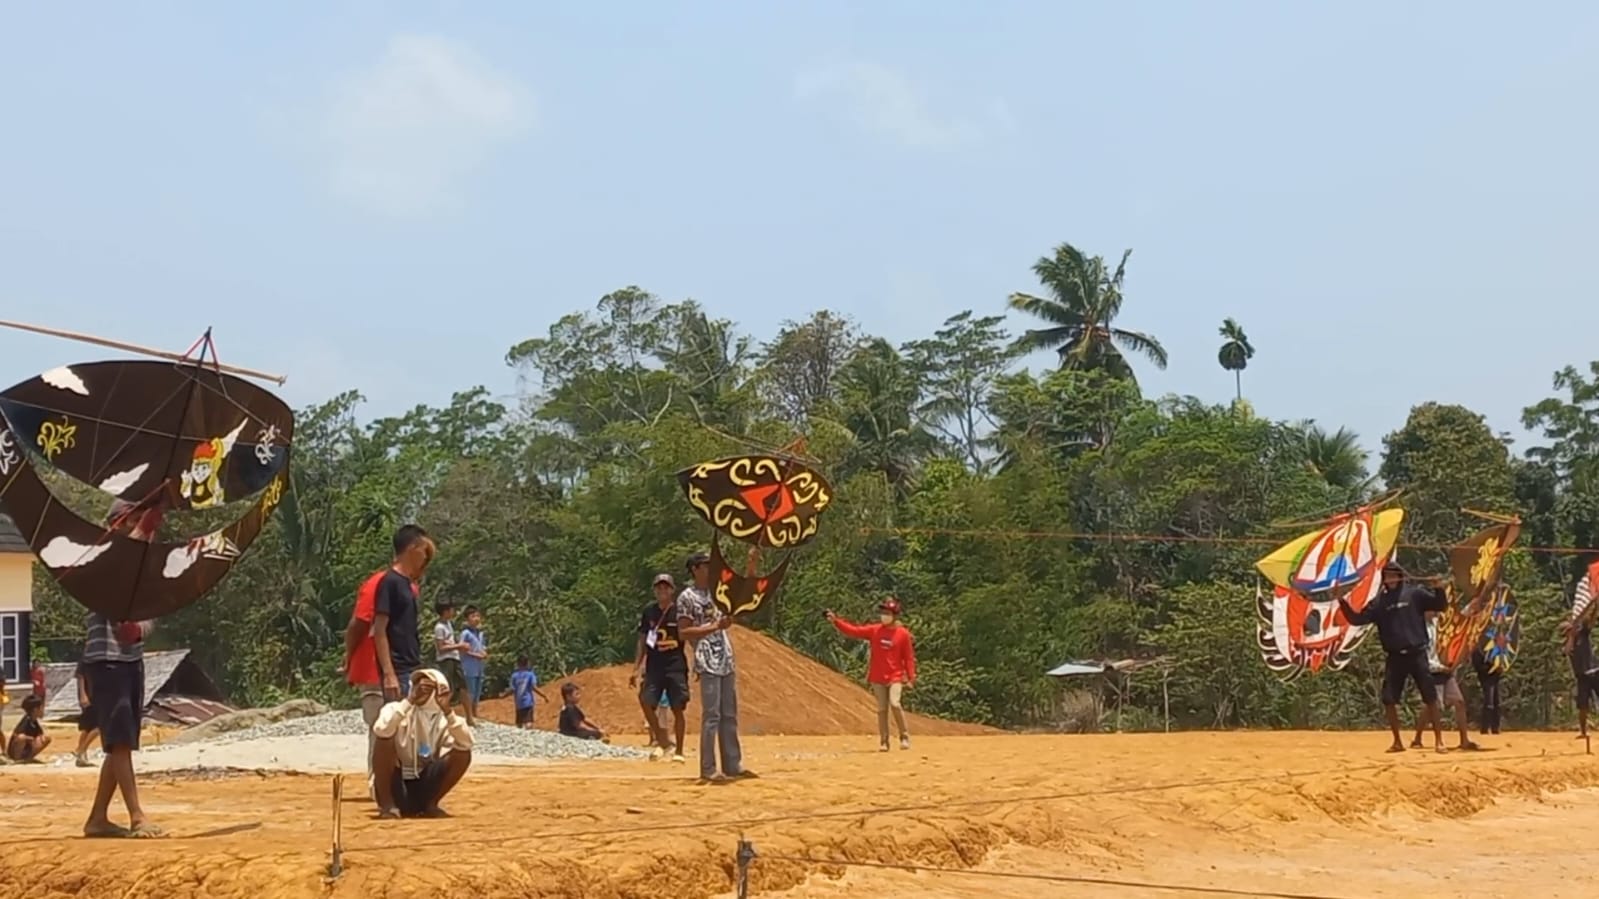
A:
146,832
106,831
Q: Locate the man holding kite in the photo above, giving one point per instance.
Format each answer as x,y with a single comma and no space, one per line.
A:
1398,612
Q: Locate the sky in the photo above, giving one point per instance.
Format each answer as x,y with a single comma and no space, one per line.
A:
1394,199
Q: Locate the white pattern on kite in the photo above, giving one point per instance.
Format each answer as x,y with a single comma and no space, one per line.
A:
64,378
61,552
122,480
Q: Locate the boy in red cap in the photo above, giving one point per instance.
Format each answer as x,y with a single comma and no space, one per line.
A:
892,668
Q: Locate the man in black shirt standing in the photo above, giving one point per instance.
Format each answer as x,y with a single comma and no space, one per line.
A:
394,633
1398,611
663,666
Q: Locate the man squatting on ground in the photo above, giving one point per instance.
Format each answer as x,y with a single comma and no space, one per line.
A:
701,621
423,749
661,665
892,667
1397,612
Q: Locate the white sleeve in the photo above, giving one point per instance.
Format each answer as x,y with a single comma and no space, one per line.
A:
389,717
1582,599
460,734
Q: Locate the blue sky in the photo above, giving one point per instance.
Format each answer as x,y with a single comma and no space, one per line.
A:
1395,200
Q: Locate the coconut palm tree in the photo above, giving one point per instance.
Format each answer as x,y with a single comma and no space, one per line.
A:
1081,308
1235,353
1336,457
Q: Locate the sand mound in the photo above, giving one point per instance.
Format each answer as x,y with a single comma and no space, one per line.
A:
780,692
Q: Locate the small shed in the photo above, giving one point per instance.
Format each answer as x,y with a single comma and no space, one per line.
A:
1117,673
176,690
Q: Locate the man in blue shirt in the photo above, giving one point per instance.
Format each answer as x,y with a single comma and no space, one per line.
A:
473,656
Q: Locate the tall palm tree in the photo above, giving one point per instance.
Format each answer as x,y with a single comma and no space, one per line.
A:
1081,309
1336,457
1235,353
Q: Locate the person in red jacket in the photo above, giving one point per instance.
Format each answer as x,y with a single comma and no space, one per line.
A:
892,668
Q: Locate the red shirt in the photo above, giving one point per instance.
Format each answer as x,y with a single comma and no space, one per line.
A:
893,655
361,666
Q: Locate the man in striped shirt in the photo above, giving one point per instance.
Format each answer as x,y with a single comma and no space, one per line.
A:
113,665
1578,631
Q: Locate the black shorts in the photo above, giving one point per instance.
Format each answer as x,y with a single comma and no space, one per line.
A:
413,797
1587,691
451,669
20,748
1402,666
117,689
524,716
86,719
672,683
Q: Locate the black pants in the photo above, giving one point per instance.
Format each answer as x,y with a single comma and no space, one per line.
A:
414,797
1489,682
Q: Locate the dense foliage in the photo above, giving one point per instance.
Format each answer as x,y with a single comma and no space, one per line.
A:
983,496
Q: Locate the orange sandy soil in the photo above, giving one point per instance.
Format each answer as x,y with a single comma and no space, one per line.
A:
780,692
1305,813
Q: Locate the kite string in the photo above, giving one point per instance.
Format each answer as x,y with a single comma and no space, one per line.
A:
1136,537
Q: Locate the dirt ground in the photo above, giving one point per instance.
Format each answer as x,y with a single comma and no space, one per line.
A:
781,692
1310,814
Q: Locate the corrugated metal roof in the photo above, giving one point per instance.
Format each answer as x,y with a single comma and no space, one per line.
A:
11,539
61,688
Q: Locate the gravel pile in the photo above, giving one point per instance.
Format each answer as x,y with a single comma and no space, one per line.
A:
488,738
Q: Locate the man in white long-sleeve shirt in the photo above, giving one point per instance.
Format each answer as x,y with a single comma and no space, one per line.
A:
422,750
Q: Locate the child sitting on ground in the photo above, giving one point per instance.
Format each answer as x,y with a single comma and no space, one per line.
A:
29,739
573,722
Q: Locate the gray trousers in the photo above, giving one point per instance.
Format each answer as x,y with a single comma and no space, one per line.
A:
719,724
371,705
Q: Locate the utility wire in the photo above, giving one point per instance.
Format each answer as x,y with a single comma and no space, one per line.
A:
1044,878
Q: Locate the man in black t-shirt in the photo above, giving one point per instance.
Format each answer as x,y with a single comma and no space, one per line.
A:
1399,612
394,633
663,667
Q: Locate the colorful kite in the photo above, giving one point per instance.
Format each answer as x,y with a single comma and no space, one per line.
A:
1476,567
1301,628
1501,636
768,501
161,437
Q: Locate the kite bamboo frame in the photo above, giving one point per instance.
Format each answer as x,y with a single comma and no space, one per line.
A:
143,350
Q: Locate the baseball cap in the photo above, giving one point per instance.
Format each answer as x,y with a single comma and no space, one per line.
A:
664,578
890,605
698,559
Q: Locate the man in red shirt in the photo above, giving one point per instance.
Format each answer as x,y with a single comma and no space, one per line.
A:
361,660
892,668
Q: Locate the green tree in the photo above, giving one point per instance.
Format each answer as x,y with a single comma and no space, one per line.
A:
1235,353
959,367
1083,303
1446,459
1336,458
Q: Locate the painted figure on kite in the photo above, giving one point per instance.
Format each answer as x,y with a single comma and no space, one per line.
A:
159,436
1301,627
771,502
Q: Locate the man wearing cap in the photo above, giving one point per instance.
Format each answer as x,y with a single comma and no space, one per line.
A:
700,621
661,664
892,667
1398,611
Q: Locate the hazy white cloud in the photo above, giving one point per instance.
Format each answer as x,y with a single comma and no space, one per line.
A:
402,134
884,101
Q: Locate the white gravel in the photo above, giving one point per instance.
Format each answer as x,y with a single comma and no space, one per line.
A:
336,742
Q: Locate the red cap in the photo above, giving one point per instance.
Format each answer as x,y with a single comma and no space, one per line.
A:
890,605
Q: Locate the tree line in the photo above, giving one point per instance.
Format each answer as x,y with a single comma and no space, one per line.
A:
970,489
